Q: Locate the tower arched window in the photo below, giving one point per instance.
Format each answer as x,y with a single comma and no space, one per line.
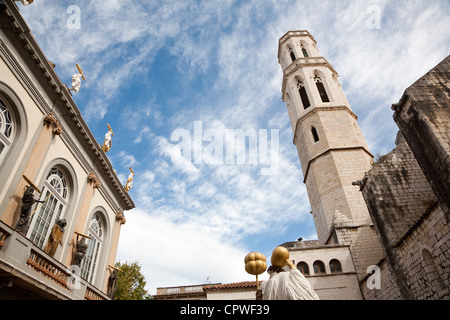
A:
55,193
303,267
321,88
303,94
335,266
292,54
6,130
319,267
90,260
314,134
304,51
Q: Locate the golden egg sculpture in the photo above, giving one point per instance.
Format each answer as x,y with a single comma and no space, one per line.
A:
279,256
255,263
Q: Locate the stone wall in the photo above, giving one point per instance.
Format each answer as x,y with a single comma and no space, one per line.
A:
412,226
422,116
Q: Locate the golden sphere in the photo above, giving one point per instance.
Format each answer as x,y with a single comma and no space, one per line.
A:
255,263
279,256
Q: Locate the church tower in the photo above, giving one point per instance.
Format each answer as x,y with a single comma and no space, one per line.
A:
332,150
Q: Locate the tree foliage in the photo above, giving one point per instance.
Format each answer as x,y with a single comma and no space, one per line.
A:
130,283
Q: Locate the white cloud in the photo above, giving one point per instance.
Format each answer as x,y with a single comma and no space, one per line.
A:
179,254
190,218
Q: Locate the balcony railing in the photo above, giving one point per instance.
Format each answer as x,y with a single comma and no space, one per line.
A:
180,290
40,271
48,269
3,235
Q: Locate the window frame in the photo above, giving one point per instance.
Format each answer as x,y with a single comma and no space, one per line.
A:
315,134
6,119
318,270
324,96
333,263
52,210
306,103
304,51
292,55
90,263
303,267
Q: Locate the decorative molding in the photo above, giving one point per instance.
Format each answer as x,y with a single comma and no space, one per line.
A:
93,180
330,150
50,121
301,63
120,218
298,33
312,110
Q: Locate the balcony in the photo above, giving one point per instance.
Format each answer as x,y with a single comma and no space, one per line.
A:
181,293
27,272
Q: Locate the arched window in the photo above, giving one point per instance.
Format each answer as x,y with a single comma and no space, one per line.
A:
303,94
321,88
55,193
305,53
303,267
292,54
314,134
335,266
6,130
319,267
90,260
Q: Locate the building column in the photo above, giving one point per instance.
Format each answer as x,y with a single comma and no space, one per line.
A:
51,128
120,220
92,183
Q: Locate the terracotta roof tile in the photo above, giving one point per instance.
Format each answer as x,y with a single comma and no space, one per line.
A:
235,285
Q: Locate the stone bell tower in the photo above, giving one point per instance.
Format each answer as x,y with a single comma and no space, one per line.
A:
331,147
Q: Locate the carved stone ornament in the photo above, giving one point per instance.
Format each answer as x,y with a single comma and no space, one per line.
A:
50,121
120,218
94,181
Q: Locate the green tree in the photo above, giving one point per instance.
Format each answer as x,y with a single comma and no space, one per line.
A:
130,283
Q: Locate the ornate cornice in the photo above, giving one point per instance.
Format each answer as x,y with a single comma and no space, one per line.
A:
80,136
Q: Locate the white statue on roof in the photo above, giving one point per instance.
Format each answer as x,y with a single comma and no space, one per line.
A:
25,2
107,142
130,180
76,79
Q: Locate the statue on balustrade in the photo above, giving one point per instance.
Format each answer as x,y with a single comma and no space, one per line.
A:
55,237
25,210
112,282
82,247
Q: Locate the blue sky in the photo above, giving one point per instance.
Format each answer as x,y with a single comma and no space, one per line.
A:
156,68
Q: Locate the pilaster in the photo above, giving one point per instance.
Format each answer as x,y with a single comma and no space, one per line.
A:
92,183
50,129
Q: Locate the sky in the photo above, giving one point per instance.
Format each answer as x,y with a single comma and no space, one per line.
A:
176,79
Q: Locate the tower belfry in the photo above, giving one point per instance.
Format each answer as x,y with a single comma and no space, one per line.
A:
331,147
